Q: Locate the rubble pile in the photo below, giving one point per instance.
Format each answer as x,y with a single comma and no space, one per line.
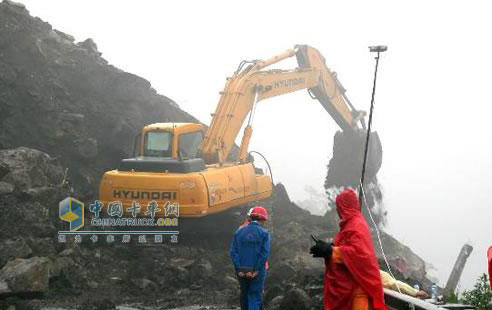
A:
33,261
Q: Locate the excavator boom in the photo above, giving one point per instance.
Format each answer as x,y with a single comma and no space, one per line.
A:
253,84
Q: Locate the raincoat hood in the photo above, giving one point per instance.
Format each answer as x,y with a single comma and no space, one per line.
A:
348,205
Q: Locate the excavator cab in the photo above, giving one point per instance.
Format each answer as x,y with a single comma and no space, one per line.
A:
167,147
171,140
167,168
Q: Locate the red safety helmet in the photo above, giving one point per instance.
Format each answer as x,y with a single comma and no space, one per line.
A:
259,212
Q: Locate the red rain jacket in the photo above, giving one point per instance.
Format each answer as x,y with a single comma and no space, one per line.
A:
360,267
489,254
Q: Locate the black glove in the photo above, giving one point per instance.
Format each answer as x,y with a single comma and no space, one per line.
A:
321,249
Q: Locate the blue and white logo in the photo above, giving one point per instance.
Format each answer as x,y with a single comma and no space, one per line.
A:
72,211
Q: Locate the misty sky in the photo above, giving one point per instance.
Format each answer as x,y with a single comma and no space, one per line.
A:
433,105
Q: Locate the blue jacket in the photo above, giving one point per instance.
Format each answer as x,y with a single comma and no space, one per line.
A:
250,247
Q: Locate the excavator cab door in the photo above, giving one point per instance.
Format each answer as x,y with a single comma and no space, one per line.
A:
137,140
189,144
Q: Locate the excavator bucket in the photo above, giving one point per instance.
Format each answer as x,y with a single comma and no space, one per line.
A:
345,167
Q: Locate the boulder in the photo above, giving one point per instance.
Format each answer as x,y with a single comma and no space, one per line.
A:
59,265
25,275
6,188
295,299
4,169
13,248
93,285
272,293
146,284
42,246
282,271
275,303
30,168
201,269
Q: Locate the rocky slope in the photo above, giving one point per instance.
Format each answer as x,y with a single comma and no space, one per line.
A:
61,97
63,106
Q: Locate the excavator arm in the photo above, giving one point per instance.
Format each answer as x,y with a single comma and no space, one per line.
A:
252,84
329,91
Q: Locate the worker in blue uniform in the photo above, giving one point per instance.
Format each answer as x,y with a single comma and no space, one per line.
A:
250,249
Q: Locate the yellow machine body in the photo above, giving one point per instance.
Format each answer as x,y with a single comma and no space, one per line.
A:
215,189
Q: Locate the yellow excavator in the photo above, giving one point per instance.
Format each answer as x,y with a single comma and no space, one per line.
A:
189,165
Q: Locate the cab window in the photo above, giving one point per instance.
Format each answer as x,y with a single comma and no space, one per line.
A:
189,144
157,144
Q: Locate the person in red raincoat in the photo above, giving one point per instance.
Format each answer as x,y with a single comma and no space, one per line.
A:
489,254
352,278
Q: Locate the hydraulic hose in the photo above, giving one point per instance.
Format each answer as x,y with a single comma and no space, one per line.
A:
273,187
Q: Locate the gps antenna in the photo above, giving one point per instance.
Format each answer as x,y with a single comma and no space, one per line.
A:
373,49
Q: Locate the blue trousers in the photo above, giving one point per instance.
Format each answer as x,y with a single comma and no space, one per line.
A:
252,292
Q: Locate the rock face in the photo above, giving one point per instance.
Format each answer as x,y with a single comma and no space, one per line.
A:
36,180
63,98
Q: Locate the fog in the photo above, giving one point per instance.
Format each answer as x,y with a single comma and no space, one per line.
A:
432,111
